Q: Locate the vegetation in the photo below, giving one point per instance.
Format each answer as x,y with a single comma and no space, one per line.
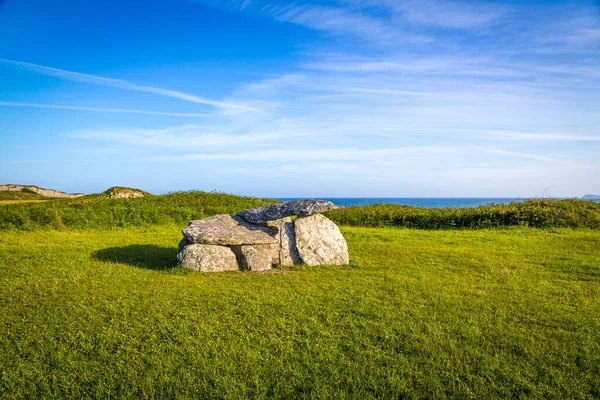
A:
509,313
117,190
99,212
539,213
25,194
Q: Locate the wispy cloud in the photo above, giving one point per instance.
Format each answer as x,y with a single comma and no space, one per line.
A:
471,108
196,136
334,20
390,157
99,109
449,14
522,155
328,18
547,136
121,84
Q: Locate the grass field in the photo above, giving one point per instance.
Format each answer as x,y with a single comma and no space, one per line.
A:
7,202
17,196
512,313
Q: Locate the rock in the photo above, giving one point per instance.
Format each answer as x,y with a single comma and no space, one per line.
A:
226,243
288,254
206,258
319,241
260,257
270,212
183,242
119,192
227,230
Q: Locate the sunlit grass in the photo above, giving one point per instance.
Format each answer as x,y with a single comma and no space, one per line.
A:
7,202
488,313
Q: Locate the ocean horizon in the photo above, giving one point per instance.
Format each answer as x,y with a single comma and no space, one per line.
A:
429,202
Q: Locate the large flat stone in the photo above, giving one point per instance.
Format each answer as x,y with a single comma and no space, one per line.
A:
320,242
207,258
228,231
270,212
260,257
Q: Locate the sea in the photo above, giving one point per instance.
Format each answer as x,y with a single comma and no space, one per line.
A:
431,202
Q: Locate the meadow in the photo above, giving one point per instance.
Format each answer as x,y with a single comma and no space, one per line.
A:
93,312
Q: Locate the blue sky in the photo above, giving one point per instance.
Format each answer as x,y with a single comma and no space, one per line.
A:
336,98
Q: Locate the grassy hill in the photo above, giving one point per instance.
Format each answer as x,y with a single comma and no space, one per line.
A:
120,191
20,195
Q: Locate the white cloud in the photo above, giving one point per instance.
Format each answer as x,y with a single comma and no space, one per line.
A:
443,13
100,109
122,84
335,20
450,14
196,136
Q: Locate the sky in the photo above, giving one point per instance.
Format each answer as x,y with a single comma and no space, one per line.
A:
338,98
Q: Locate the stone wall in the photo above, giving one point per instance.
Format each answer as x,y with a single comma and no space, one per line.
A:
38,190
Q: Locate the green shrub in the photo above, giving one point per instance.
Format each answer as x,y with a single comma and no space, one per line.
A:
537,213
27,190
25,194
97,211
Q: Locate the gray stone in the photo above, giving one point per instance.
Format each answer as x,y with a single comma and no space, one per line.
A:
260,257
207,258
288,254
228,231
270,212
183,242
320,242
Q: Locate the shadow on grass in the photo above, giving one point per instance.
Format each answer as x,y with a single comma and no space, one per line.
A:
146,256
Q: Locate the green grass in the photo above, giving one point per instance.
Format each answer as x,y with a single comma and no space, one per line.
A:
510,313
536,213
21,195
99,212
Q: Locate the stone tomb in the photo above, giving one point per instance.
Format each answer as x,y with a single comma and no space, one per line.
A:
261,238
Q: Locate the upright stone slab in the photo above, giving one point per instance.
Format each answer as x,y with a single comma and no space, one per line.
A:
288,253
320,242
226,230
258,257
207,258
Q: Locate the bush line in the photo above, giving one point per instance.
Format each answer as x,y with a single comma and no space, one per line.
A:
535,213
99,212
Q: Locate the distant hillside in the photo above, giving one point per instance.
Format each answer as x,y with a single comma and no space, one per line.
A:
32,189
120,192
20,196
591,197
